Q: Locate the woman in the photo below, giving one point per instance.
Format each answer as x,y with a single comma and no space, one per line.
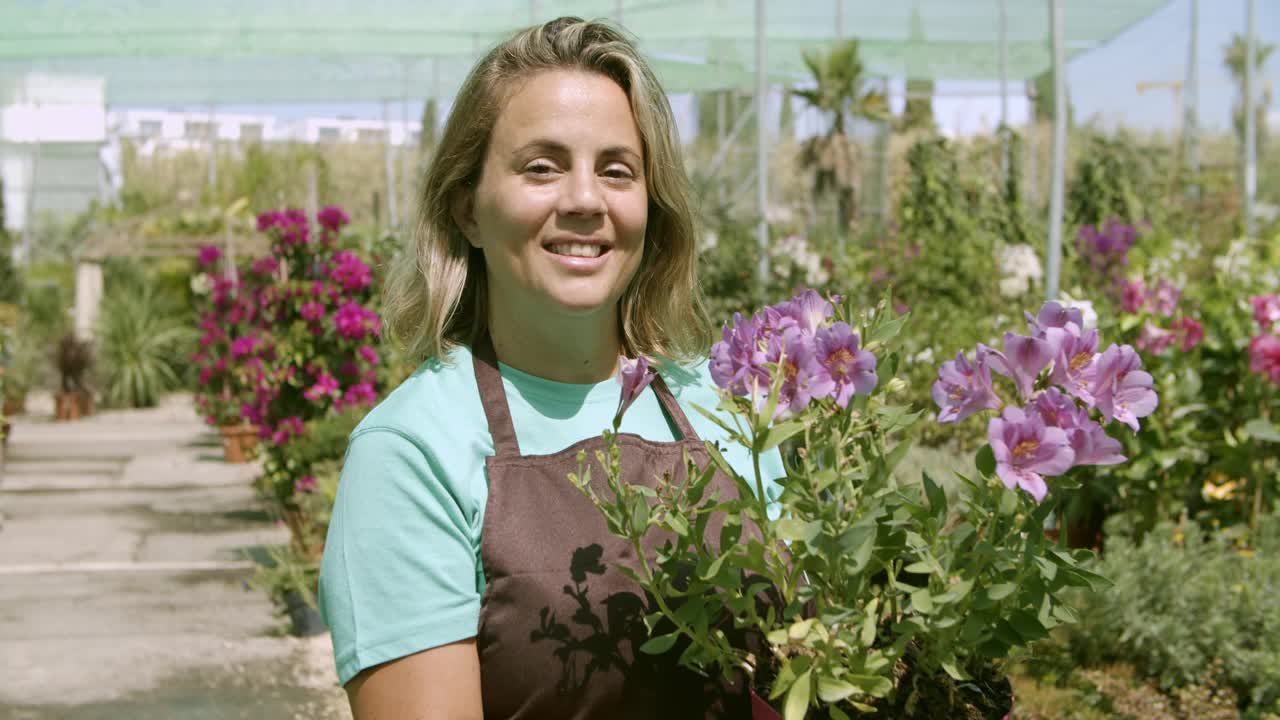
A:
463,575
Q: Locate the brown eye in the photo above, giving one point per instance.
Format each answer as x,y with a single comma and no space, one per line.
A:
540,169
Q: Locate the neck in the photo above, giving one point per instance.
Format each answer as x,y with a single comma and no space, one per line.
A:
576,350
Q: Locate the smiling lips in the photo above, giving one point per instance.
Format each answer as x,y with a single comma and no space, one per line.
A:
590,249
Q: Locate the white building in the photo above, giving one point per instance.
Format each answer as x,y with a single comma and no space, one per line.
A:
52,138
175,130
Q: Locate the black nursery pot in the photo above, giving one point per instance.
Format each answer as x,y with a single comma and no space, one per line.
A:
304,620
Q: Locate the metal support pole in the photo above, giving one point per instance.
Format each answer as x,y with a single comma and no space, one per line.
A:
213,151
1004,89
1032,148
28,224
1250,125
1056,186
1191,121
393,217
762,154
722,109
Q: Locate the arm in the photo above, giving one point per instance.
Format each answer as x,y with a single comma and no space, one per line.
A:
443,682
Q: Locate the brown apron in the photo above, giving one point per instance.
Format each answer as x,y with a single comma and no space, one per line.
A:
560,627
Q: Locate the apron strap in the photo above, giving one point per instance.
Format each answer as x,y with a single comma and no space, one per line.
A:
673,408
494,397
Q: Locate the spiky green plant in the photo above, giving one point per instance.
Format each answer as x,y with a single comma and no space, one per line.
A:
142,348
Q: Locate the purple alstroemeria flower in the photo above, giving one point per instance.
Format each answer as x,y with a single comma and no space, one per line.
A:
737,362
1122,389
1088,439
1054,315
853,371
809,309
634,376
1022,360
1075,358
1133,295
1026,449
804,377
963,389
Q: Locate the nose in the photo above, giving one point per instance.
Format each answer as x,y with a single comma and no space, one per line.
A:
581,194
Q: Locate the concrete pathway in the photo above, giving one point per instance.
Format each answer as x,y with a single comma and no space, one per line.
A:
125,549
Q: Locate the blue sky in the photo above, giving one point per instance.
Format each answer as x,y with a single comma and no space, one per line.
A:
1103,82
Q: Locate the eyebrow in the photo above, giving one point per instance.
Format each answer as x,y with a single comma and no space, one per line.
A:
559,147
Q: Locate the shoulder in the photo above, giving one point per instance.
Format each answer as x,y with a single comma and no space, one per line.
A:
432,407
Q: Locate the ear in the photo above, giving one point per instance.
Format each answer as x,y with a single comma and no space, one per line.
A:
462,210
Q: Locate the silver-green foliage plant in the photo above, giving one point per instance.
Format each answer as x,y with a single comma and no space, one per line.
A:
871,591
1185,598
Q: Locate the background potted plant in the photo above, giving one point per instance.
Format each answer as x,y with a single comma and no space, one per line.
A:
73,358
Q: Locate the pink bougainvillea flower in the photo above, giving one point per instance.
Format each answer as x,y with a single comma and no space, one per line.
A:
355,322
853,371
1133,295
1026,450
1264,356
1022,360
1122,389
305,484
1075,360
1266,310
243,345
1189,331
286,429
963,389
332,218
809,309
1154,339
368,354
359,395
1164,300
350,272
209,254
325,386
634,375
311,311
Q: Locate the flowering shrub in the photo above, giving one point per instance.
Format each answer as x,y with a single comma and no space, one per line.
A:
886,594
291,337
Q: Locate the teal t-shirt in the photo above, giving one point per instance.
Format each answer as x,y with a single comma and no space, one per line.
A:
401,569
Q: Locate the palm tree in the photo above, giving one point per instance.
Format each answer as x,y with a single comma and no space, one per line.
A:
841,92
1233,57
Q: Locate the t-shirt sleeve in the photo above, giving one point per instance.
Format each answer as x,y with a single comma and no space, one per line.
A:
399,570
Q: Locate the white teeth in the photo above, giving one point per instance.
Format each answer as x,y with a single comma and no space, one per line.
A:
576,250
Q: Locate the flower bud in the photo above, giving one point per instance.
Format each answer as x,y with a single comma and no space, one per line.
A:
896,385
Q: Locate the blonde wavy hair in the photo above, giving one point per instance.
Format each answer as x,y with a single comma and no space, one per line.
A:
437,295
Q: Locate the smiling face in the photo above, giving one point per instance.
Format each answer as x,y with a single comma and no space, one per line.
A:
561,206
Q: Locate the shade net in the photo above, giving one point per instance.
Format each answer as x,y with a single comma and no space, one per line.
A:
286,51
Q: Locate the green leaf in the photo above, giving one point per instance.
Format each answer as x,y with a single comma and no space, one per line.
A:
639,512
986,461
714,568
922,601
887,330
1027,626
937,498
999,591
872,685
791,529
777,434
953,670
798,698
1048,569
660,644
831,690
1260,429
858,542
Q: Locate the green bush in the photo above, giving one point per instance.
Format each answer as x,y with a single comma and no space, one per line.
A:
143,348
1182,602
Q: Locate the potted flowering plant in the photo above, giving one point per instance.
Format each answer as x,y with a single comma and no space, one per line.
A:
73,358
886,594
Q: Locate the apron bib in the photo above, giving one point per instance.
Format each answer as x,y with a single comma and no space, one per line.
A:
560,627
